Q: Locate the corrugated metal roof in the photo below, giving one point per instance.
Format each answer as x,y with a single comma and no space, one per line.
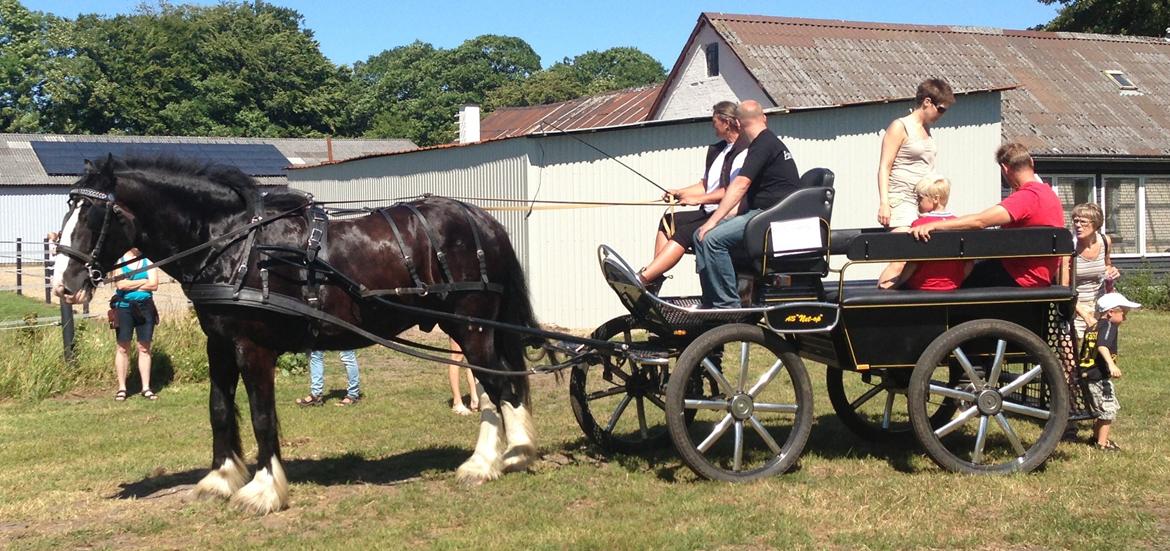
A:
609,109
19,165
1065,103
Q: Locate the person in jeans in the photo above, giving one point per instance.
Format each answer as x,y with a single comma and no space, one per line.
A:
768,175
316,396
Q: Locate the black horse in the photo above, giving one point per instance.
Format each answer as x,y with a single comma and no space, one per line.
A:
166,206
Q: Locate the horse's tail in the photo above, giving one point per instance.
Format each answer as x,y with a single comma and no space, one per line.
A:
516,309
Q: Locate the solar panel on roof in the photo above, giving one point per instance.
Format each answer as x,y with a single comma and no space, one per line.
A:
68,158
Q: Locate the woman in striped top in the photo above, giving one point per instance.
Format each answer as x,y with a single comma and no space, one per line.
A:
1095,269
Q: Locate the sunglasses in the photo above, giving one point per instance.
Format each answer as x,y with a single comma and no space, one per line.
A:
941,108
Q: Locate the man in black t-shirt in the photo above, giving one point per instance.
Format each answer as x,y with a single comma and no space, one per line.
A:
768,175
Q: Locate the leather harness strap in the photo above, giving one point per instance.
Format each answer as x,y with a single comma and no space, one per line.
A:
434,242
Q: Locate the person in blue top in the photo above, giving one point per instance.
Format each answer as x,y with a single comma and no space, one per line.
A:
134,310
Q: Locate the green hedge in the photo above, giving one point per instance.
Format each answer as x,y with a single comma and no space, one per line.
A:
1147,287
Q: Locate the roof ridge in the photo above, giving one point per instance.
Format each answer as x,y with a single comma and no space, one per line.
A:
914,27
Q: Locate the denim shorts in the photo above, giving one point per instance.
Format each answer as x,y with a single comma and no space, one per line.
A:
127,326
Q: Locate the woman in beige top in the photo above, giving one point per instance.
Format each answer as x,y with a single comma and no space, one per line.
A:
908,153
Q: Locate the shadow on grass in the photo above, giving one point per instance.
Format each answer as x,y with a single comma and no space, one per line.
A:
330,471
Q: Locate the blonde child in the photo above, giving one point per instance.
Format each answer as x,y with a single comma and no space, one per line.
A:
932,193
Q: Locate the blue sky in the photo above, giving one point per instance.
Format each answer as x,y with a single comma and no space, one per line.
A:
351,31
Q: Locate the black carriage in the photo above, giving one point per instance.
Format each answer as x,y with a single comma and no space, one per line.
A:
982,377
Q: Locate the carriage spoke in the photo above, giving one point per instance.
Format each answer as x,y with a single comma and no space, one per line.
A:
869,394
763,432
777,408
1021,380
617,413
997,362
956,422
612,391
716,432
737,461
1013,407
888,411
765,379
724,385
642,429
1011,435
980,440
718,405
657,401
968,369
952,393
744,354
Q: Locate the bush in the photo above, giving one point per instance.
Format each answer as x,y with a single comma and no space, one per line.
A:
1146,287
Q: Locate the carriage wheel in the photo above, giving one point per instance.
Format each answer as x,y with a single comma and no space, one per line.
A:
873,405
1012,398
626,395
757,421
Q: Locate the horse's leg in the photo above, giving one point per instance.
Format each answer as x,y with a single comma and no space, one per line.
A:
514,405
268,490
228,470
485,463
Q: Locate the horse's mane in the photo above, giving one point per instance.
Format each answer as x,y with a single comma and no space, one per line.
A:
218,185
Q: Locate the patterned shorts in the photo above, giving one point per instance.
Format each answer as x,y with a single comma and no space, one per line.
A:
1104,399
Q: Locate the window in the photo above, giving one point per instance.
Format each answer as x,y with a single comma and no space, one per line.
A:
1072,190
712,51
1120,206
1156,215
1121,80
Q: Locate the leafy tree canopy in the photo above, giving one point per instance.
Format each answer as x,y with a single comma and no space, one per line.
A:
590,73
24,52
1128,17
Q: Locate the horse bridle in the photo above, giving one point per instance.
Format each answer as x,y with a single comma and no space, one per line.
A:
90,260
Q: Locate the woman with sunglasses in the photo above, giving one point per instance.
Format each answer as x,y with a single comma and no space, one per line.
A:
1095,269
908,154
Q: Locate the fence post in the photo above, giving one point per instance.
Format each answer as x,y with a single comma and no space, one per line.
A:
67,329
19,269
48,276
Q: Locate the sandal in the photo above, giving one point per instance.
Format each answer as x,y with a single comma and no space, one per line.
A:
460,409
120,396
1109,446
311,400
347,401
149,394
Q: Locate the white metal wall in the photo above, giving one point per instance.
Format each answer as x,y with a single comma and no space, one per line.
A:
29,213
559,245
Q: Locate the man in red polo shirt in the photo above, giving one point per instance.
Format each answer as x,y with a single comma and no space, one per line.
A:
1032,203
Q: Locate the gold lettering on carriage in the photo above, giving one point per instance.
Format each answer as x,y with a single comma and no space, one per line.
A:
804,318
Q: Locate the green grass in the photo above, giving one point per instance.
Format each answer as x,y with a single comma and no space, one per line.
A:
83,471
18,307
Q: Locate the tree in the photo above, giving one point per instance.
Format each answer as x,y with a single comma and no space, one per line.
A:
225,70
24,54
590,73
414,91
1128,17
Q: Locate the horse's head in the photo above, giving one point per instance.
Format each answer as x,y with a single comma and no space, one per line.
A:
95,233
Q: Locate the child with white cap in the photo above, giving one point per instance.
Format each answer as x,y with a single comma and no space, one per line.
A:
1100,364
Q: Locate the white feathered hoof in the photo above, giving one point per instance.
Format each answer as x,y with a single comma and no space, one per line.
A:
266,493
519,458
224,481
477,470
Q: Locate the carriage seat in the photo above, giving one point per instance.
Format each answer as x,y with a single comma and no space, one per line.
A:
861,293
802,270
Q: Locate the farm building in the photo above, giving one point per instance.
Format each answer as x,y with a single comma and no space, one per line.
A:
558,245
1094,109
37,170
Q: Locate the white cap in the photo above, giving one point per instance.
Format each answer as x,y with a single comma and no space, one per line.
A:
1109,301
